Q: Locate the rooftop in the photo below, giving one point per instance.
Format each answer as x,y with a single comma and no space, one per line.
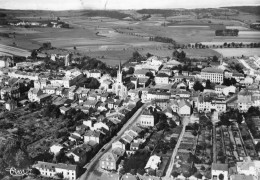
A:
221,167
212,70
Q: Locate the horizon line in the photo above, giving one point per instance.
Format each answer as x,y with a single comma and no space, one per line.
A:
122,9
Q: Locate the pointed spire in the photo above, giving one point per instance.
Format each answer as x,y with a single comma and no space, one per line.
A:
119,69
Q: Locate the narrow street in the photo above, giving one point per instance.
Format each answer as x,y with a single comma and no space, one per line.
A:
90,167
170,167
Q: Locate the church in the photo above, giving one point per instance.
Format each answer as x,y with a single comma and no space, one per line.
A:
118,87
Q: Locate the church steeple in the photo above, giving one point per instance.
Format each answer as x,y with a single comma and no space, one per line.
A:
119,74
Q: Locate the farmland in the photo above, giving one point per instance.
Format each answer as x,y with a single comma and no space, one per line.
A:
235,52
95,33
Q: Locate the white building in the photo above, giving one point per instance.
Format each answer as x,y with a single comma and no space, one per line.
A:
153,162
249,167
213,74
218,169
161,78
51,169
146,118
55,148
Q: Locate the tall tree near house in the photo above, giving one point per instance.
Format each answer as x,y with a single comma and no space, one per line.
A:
198,86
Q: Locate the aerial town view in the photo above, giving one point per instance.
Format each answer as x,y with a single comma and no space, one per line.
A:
130,89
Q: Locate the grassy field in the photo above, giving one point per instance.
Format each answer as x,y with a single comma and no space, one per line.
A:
238,52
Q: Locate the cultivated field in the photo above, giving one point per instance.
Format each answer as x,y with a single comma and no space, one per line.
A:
238,52
97,36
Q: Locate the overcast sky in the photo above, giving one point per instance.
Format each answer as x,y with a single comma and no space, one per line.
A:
119,4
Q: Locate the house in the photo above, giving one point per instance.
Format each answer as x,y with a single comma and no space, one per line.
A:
242,177
184,108
161,78
141,73
146,118
249,167
49,90
218,169
153,163
90,103
59,91
80,154
119,144
68,171
13,92
111,159
55,148
244,100
10,105
64,110
92,136
94,73
143,81
219,89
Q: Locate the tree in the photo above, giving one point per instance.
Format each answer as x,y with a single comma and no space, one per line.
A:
198,175
175,174
198,86
35,172
208,84
215,58
221,176
34,54
257,147
172,143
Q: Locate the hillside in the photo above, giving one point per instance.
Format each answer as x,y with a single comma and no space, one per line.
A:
247,9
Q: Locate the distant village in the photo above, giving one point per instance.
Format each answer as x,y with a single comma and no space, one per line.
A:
156,118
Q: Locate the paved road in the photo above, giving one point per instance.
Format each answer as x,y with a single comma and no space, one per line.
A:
170,167
92,164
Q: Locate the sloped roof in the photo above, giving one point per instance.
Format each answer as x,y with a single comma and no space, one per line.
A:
184,103
212,70
221,167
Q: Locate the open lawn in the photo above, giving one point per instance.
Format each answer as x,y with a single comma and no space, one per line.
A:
238,52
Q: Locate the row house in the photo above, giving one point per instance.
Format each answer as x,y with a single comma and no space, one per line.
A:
147,119
24,75
181,107
93,73
49,90
68,171
110,160
12,92
95,136
139,73
161,78
204,103
34,93
80,154
153,94
41,83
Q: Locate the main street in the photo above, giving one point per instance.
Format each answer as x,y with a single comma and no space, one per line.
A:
90,167
170,167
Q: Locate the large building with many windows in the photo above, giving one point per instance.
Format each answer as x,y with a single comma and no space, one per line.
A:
215,75
68,171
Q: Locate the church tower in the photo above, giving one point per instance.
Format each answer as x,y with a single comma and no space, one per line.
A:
118,87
